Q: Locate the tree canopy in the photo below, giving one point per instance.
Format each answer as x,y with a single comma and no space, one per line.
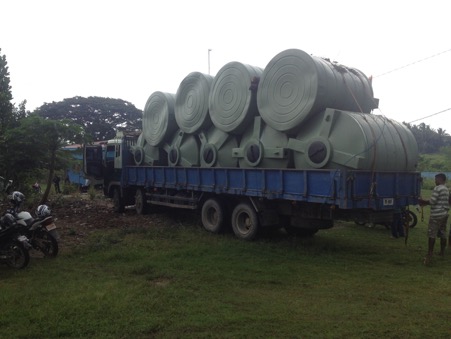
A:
36,144
99,116
429,140
6,107
29,144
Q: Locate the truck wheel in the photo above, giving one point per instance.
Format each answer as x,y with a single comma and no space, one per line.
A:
213,216
117,201
245,222
141,205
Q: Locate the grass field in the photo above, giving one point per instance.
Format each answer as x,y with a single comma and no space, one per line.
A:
181,282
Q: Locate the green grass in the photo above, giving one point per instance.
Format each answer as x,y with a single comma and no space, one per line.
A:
181,282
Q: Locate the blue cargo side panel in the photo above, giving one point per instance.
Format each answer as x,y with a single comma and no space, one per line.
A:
345,189
381,190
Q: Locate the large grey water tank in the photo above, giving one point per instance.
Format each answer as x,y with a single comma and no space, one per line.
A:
145,154
191,102
216,148
295,85
263,146
183,150
158,118
339,139
232,101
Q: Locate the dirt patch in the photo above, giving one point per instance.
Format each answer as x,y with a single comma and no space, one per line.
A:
77,217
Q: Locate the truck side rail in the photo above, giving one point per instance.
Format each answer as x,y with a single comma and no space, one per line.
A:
346,189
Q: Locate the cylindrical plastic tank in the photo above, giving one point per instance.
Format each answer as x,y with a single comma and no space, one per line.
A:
232,102
263,146
158,118
216,148
336,139
183,150
296,85
191,102
144,154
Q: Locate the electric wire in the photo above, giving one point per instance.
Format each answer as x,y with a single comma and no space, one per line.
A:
412,63
430,115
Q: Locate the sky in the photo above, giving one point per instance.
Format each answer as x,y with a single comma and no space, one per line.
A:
57,49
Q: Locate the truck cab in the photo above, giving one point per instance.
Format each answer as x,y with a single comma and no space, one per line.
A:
105,161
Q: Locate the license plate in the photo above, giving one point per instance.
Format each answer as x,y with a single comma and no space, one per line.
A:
50,227
388,202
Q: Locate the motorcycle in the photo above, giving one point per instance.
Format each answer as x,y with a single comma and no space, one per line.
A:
41,231
14,245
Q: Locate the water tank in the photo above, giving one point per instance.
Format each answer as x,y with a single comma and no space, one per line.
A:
263,146
339,139
145,154
216,148
191,102
296,85
183,150
232,102
158,118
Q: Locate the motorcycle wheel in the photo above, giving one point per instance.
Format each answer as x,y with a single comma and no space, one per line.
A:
45,243
412,219
19,257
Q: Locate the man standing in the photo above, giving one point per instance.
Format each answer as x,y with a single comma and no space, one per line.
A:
439,203
56,181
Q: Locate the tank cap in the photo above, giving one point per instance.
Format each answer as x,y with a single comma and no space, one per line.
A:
253,152
209,155
173,156
318,152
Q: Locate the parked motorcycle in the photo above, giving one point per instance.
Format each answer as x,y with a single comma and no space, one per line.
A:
13,244
41,231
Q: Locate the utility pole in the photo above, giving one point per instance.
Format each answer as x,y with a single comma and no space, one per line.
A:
209,50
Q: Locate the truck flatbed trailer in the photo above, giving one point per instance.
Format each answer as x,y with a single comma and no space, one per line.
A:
344,189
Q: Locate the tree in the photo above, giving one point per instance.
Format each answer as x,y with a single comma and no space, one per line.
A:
36,144
20,111
6,107
100,117
428,140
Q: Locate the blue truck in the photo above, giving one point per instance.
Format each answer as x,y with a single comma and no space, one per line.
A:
250,199
293,145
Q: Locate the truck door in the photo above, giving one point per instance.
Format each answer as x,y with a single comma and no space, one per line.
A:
93,161
112,153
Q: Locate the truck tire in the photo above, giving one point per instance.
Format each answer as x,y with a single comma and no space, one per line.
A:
141,205
213,216
245,221
118,203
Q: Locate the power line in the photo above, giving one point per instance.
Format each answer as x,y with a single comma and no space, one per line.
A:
431,115
412,63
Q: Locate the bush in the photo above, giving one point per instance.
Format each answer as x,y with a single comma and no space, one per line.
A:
92,192
70,188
